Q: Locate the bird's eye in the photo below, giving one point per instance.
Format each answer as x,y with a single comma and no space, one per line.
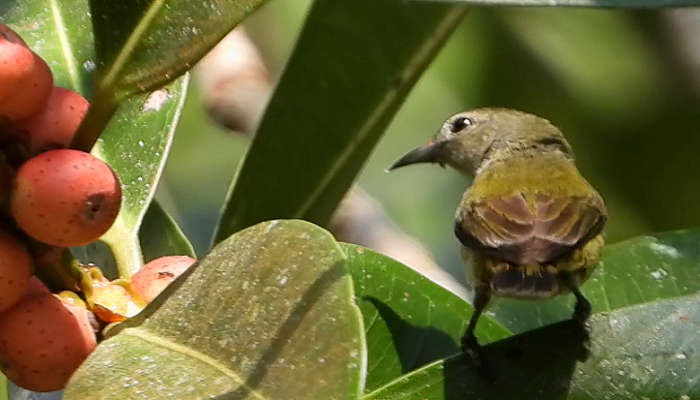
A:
460,123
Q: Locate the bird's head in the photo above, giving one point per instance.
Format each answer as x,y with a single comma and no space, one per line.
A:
468,140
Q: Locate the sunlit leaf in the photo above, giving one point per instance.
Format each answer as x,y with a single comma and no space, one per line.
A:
268,314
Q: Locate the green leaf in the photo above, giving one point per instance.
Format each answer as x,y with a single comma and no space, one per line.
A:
160,236
3,387
61,33
641,352
581,3
352,67
635,271
142,45
135,144
268,314
409,319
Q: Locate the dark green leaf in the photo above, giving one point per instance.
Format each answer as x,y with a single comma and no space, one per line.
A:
352,67
61,33
160,235
268,314
135,144
635,271
144,44
409,319
581,3
648,351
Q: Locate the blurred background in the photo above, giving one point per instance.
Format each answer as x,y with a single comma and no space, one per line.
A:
623,86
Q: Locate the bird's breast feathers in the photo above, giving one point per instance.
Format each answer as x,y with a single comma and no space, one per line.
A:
530,210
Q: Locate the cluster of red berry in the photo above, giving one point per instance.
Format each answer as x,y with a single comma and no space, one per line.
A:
52,197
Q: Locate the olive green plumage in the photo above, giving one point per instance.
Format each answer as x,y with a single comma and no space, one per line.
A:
530,223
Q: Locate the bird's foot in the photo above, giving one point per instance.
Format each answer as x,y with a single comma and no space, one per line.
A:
472,349
582,311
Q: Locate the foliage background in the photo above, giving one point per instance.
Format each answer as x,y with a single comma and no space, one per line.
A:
614,81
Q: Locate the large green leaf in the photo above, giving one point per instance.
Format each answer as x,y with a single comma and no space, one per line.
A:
268,314
144,44
634,271
409,319
582,3
648,351
341,87
61,33
135,144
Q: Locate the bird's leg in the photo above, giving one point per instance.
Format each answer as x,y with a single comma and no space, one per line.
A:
470,346
582,309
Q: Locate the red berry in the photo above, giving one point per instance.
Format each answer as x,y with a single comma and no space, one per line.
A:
35,287
156,275
15,270
25,79
43,340
54,126
65,198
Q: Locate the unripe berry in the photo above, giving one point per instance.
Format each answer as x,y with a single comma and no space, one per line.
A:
25,79
65,198
43,340
15,270
157,274
54,126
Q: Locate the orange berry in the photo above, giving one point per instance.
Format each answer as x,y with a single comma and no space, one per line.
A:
65,198
25,79
157,274
43,340
54,126
15,270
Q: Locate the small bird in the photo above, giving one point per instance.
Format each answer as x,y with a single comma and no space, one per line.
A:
529,223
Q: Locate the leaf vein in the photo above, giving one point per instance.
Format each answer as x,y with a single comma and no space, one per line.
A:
130,44
66,49
170,345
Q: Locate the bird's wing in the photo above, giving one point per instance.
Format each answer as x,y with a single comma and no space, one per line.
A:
529,226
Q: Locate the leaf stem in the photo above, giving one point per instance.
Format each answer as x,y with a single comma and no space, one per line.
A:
101,110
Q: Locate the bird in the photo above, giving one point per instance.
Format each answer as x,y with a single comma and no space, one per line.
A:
530,225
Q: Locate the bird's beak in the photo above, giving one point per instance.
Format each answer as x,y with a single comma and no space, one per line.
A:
427,153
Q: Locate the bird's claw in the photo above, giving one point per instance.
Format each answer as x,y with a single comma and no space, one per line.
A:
471,348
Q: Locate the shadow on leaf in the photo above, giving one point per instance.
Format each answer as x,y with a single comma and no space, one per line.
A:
538,364
286,331
415,345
